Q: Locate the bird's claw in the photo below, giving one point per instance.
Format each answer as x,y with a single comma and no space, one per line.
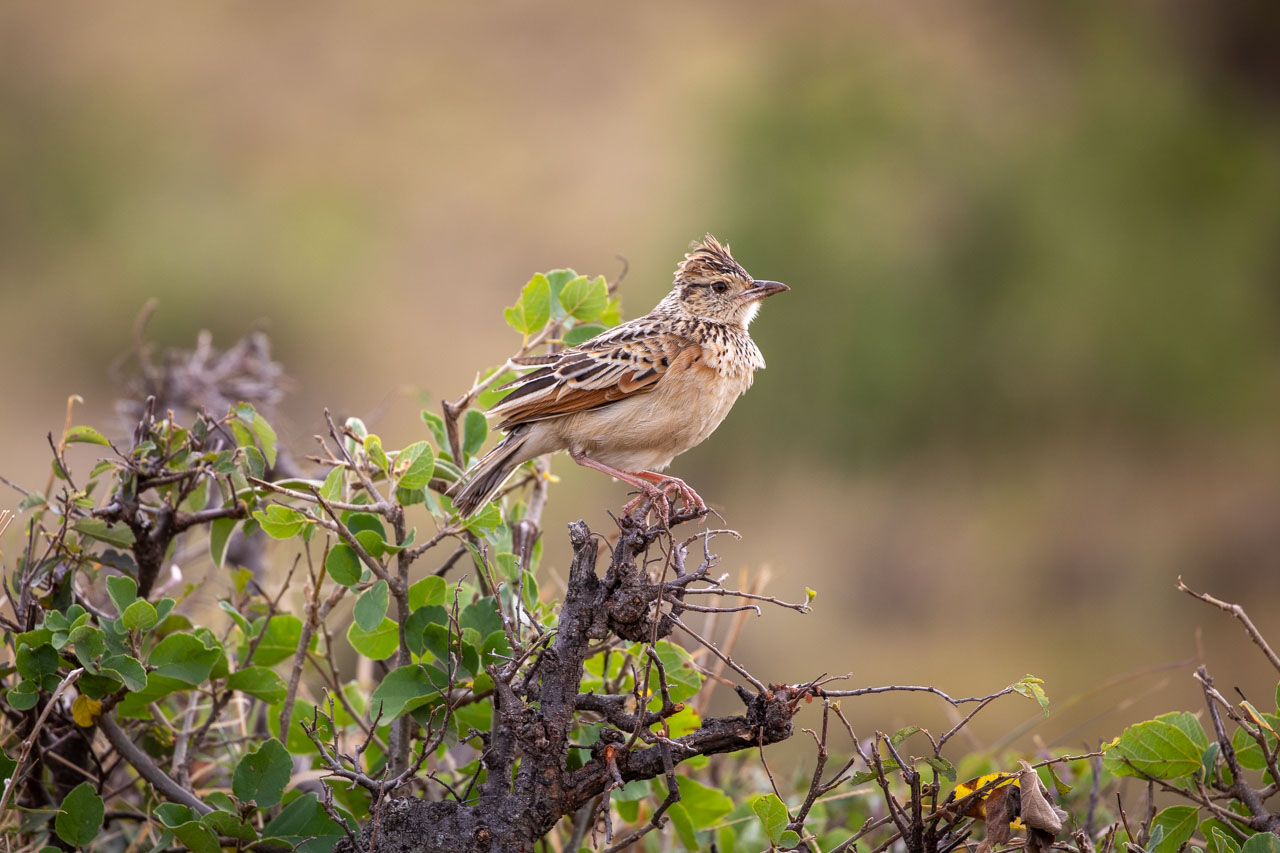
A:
661,495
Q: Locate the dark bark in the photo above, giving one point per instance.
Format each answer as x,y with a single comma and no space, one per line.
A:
534,714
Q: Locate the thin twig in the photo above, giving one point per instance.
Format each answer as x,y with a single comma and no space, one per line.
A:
1237,611
70,679
755,682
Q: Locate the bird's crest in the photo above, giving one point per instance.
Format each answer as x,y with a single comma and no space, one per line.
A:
709,259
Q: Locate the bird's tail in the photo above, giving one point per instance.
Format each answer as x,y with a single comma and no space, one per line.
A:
488,475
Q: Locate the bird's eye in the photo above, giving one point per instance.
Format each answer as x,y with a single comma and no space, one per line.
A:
719,287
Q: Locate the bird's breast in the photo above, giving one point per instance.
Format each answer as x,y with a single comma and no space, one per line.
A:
646,431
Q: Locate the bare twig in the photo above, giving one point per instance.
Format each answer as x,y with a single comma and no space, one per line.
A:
1237,611
70,679
711,647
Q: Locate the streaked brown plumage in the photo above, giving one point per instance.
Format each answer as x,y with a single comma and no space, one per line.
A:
631,399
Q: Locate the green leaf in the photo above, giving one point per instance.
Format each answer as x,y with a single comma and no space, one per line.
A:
134,705
508,566
1030,687
79,819
174,814
496,390
128,669
7,767
487,518
301,821
280,638
613,313
371,606
533,309
85,435
259,682
1263,842
429,590
113,534
788,839
343,565
139,616
556,280
496,648
416,464
435,424
683,678
1177,824
280,522
685,829
122,590
406,688
35,663
1219,841
24,696
704,804
475,427
682,722
1248,752
90,644
373,447
585,299
297,741
184,657
378,644
902,734
417,624
481,614
945,768
373,544
331,488
228,824
197,837
262,774
1168,747
254,464
772,814
358,522
582,333
219,535
241,622
262,432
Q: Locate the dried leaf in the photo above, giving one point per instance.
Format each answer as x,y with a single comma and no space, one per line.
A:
1037,812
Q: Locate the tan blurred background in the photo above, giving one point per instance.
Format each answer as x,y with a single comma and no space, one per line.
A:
1027,374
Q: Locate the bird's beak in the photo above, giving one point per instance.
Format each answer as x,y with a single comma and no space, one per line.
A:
760,289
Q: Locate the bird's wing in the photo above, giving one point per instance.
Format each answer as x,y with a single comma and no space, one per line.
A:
630,359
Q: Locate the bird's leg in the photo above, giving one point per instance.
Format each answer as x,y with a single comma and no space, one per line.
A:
690,498
648,491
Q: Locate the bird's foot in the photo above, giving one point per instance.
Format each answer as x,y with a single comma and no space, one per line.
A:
655,497
662,491
675,486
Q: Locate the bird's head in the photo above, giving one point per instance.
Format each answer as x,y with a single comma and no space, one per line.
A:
711,285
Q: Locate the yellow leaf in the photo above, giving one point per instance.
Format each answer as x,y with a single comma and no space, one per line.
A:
85,711
1256,717
994,780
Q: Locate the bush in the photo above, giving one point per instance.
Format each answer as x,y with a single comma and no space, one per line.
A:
493,715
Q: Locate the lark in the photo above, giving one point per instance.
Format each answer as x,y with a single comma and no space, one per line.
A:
631,399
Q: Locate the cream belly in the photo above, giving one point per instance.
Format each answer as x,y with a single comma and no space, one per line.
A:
646,431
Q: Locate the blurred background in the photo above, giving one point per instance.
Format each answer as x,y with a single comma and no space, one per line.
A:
1027,374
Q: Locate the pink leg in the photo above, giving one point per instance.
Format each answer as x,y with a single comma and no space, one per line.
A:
653,487
667,483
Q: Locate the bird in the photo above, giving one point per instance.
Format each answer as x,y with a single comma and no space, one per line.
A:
631,399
